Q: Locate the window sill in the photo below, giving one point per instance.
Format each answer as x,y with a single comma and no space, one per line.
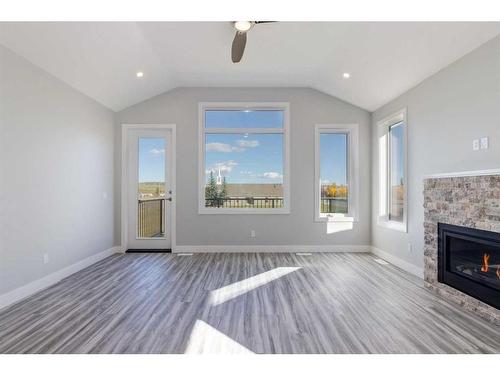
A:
339,219
243,211
394,225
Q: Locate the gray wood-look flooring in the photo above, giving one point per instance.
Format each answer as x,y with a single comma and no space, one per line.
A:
260,303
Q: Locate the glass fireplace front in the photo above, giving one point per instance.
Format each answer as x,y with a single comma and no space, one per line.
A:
469,260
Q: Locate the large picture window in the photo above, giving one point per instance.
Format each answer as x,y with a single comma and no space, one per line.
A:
244,158
392,171
336,172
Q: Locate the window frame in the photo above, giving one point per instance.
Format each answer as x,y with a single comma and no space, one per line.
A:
285,131
352,131
384,176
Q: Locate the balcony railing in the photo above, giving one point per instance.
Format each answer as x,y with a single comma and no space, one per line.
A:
335,205
150,218
245,202
328,204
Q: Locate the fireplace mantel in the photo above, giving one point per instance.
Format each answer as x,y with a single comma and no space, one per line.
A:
484,172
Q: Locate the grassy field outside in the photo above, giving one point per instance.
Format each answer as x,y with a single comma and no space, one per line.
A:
152,189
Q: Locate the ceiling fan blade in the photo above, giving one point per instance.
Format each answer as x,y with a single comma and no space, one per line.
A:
238,47
257,22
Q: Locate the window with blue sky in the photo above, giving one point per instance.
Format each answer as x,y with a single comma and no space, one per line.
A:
333,173
243,158
393,174
396,172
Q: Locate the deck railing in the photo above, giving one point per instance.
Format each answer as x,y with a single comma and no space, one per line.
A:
336,205
245,202
150,217
328,204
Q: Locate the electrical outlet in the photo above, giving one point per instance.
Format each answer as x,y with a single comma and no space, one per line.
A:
484,143
104,195
252,234
475,144
46,258
410,250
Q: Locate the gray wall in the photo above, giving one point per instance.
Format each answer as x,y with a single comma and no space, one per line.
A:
445,113
307,108
56,161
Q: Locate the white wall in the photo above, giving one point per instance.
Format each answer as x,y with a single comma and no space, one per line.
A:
445,113
56,161
307,108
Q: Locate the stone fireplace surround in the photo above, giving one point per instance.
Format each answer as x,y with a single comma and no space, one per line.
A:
469,199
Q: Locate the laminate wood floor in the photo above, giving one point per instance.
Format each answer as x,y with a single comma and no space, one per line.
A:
248,303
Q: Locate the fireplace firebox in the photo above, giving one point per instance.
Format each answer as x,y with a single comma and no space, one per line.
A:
469,260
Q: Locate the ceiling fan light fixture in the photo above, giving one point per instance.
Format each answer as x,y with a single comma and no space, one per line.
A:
243,26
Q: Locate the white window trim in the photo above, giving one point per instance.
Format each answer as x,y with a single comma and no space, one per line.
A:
352,131
283,106
383,175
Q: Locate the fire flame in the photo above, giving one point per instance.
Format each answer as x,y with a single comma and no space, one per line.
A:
486,263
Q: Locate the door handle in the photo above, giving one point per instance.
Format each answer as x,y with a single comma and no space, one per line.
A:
169,199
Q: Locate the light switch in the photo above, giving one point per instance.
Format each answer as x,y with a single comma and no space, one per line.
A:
475,144
484,143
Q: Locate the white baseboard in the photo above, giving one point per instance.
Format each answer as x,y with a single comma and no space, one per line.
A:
26,290
398,262
273,249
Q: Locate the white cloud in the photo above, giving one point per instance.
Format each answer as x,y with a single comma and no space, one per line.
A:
222,147
271,175
225,167
247,144
157,151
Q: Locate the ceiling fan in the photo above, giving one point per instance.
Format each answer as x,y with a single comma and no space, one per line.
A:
240,39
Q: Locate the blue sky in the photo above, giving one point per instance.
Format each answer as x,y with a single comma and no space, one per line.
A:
246,158
243,119
397,155
333,158
151,159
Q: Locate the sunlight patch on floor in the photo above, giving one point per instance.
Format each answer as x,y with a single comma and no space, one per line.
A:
234,290
205,339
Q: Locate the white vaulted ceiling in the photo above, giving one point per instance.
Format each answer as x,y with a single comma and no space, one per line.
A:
384,59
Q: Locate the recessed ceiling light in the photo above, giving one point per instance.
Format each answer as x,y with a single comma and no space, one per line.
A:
346,75
139,74
243,25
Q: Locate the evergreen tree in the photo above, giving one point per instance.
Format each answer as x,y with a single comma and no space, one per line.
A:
223,190
211,190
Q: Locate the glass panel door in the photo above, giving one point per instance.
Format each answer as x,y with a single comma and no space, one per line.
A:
149,189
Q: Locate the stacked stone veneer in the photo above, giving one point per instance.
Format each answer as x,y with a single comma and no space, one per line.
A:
472,202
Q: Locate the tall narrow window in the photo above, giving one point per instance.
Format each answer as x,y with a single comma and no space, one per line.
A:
336,154
396,172
392,171
243,158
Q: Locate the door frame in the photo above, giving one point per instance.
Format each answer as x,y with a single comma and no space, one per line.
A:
124,179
